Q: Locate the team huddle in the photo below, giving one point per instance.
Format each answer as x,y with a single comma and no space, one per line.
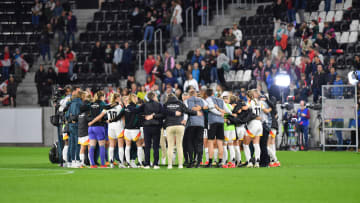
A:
126,129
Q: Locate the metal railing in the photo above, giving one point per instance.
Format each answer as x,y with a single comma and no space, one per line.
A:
207,12
155,41
222,8
144,52
190,9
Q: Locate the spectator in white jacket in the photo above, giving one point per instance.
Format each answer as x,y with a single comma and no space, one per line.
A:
190,82
118,55
238,36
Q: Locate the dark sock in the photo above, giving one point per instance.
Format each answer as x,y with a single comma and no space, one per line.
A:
210,161
220,161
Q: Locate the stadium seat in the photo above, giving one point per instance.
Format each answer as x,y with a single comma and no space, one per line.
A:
322,16
330,16
353,37
322,6
314,16
321,27
354,26
338,36
339,16
355,15
344,38
239,76
247,76
348,4
306,16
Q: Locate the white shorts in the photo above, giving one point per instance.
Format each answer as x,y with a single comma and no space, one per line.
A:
254,128
115,132
241,132
142,132
84,141
133,134
229,135
205,133
272,133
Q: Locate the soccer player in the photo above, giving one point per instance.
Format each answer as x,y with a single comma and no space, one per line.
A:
254,129
97,128
271,147
83,120
229,133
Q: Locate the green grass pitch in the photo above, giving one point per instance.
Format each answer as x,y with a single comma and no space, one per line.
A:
26,175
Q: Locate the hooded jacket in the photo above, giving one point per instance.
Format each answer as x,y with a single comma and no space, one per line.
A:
173,105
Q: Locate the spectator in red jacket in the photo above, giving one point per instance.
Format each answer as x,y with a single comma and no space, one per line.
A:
63,69
149,64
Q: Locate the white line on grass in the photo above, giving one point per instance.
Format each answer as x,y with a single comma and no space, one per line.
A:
59,172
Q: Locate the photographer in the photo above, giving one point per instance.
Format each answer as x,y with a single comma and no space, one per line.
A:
266,120
303,116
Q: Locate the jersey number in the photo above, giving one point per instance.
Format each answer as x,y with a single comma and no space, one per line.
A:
112,114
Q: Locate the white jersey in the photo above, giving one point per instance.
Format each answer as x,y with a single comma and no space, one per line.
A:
112,113
255,105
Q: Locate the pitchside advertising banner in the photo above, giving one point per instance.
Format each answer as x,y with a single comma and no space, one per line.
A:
21,125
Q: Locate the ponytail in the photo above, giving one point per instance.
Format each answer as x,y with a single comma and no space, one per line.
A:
113,98
98,95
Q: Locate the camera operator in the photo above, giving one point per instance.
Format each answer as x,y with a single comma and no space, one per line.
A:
303,116
266,120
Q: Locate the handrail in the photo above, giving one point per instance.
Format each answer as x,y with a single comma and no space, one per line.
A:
145,50
155,41
207,12
187,22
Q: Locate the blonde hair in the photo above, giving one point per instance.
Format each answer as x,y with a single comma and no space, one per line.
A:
132,98
98,95
113,97
82,95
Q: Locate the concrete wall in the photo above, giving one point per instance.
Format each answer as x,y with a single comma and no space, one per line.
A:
49,131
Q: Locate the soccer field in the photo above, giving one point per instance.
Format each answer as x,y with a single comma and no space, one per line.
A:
26,175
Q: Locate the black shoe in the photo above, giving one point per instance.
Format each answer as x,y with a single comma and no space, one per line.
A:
190,166
244,164
197,165
209,165
186,163
219,165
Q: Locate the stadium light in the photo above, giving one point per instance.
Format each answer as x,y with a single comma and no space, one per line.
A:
282,79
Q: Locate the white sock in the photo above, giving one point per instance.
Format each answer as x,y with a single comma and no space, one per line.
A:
127,153
274,152
257,152
111,154
216,154
270,153
247,152
139,154
121,154
225,155
237,154
207,154
232,153
82,159
174,156
65,153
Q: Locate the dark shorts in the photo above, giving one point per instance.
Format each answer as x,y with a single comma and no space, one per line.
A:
216,130
96,133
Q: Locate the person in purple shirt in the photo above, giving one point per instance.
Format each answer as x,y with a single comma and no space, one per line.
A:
170,79
303,116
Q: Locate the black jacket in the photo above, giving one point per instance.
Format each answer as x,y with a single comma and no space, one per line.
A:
40,77
173,105
83,120
131,118
319,80
243,117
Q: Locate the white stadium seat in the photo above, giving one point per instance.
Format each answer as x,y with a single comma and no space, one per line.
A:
232,75
339,6
314,16
330,16
239,75
348,4
247,76
344,38
339,16
353,37
354,26
306,16
322,6
322,16
321,27
337,36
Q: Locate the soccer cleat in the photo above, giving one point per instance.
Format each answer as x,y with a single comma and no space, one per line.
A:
229,163
181,166
209,165
121,165
225,166
233,165
133,165
257,165
163,161
156,167
191,165
250,165
201,163
147,167
207,162
104,166
214,163
107,163
242,164
82,166
277,164
93,166
219,165
111,165
169,167
115,163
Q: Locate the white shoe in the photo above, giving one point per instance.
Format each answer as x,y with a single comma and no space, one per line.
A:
133,165
121,165
169,166
257,165
156,167
250,165
147,167
181,166
111,165
163,161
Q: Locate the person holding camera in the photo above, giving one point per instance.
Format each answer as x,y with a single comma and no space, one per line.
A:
303,115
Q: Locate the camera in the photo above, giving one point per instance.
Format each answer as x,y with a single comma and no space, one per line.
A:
314,106
57,95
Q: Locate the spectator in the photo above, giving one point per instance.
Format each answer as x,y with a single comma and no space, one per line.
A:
130,80
300,6
150,22
4,96
222,64
314,26
202,50
169,62
230,41
12,89
256,59
238,35
60,27
306,46
59,53
204,73
327,5
190,82
270,82
169,79
58,9
117,59
51,76
291,11
36,13
150,81
141,94
149,64
290,32
248,53
137,22
356,63
158,70
44,44
177,13
196,57
176,34
49,9
97,56
213,46
40,77
63,70
5,63
126,60
327,29
242,95
108,59
70,56
278,10
303,88
303,115
179,74
331,75
333,44
321,43
71,28
196,72
259,72
318,81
